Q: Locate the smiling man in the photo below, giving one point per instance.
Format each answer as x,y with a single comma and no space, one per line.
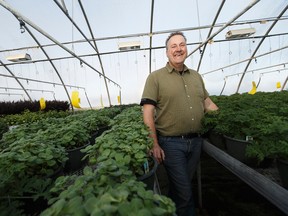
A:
174,101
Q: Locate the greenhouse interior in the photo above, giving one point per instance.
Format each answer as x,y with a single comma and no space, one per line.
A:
72,136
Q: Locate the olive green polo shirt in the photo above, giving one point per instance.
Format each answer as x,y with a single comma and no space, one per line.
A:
179,100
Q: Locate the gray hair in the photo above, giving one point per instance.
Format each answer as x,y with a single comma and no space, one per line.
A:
173,34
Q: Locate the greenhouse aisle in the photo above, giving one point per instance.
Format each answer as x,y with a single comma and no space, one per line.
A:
223,194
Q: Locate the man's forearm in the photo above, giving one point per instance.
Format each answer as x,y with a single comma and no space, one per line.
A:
148,118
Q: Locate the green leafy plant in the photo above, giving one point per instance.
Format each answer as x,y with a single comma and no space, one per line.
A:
27,167
31,157
28,117
127,141
93,120
110,189
262,116
116,159
271,141
69,134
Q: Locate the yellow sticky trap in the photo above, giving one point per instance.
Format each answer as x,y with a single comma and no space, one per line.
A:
75,99
278,85
42,104
119,99
253,90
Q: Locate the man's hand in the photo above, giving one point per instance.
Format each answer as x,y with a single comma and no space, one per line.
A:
158,153
209,105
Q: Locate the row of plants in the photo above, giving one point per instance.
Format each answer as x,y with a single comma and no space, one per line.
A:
28,117
17,107
259,120
127,142
109,183
28,150
32,152
70,131
109,189
13,120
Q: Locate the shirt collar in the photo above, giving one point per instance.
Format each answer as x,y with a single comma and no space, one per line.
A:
171,69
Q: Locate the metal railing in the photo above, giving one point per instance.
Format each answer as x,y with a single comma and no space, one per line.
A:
272,191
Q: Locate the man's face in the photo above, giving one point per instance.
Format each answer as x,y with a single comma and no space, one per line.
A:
176,50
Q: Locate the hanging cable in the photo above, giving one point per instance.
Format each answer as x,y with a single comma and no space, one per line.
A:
229,53
118,64
198,16
75,73
136,64
72,27
279,47
154,59
210,56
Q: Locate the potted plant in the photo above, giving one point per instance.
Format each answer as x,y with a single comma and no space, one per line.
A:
73,136
110,189
127,142
30,157
209,129
95,122
241,119
272,143
230,126
28,168
63,132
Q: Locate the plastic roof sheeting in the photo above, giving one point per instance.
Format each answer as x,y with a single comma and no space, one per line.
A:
74,46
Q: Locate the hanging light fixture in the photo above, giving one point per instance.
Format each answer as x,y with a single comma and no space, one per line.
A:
19,57
238,33
129,45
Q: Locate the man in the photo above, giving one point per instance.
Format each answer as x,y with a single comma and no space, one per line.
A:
174,101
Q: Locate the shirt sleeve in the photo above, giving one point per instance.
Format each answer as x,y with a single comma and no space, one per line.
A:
206,94
147,101
150,92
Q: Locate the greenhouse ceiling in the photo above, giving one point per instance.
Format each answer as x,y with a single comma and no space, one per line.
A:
104,50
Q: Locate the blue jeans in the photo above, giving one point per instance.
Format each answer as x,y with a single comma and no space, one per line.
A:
181,160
